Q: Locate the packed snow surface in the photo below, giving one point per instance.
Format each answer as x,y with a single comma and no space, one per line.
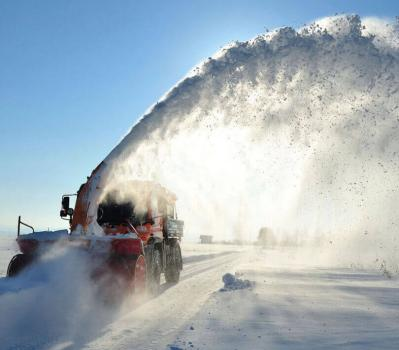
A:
292,305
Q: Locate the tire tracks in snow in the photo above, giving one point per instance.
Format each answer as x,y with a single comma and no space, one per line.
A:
155,324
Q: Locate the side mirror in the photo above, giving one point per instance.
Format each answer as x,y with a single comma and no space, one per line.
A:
64,207
65,203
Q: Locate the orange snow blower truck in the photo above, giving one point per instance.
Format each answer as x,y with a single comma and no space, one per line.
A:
131,231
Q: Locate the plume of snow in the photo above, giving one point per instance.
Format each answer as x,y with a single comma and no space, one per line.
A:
294,130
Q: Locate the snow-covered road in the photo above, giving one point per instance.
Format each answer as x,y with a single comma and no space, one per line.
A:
291,306
299,308
156,324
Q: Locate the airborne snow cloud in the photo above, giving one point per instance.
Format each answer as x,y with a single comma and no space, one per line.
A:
294,130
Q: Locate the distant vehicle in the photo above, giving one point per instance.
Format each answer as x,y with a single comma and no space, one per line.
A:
266,237
206,239
133,239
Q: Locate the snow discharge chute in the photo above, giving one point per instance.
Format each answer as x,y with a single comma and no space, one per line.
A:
294,130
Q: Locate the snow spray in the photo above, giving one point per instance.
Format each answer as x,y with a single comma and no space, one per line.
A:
295,130
53,300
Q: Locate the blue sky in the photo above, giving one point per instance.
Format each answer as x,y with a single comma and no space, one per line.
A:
76,75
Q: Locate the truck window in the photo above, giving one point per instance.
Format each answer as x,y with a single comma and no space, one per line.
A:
113,213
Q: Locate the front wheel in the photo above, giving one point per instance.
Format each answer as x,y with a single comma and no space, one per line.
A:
173,263
17,264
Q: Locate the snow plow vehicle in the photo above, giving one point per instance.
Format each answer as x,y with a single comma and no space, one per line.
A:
130,230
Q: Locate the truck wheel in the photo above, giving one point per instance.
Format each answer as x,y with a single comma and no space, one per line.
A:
17,264
173,263
139,275
154,272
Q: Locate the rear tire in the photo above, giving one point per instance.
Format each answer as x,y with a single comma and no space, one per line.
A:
139,275
18,263
173,263
154,269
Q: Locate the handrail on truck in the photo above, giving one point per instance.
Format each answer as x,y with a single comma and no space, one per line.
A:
22,223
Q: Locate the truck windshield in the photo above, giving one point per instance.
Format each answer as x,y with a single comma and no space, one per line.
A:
113,213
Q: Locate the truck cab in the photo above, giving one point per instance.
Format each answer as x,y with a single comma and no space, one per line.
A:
142,209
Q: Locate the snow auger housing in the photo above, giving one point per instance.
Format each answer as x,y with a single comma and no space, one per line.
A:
133,224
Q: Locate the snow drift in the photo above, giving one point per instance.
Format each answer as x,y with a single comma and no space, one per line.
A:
53,301
296,130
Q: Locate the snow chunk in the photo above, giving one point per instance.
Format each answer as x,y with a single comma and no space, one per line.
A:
231,282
